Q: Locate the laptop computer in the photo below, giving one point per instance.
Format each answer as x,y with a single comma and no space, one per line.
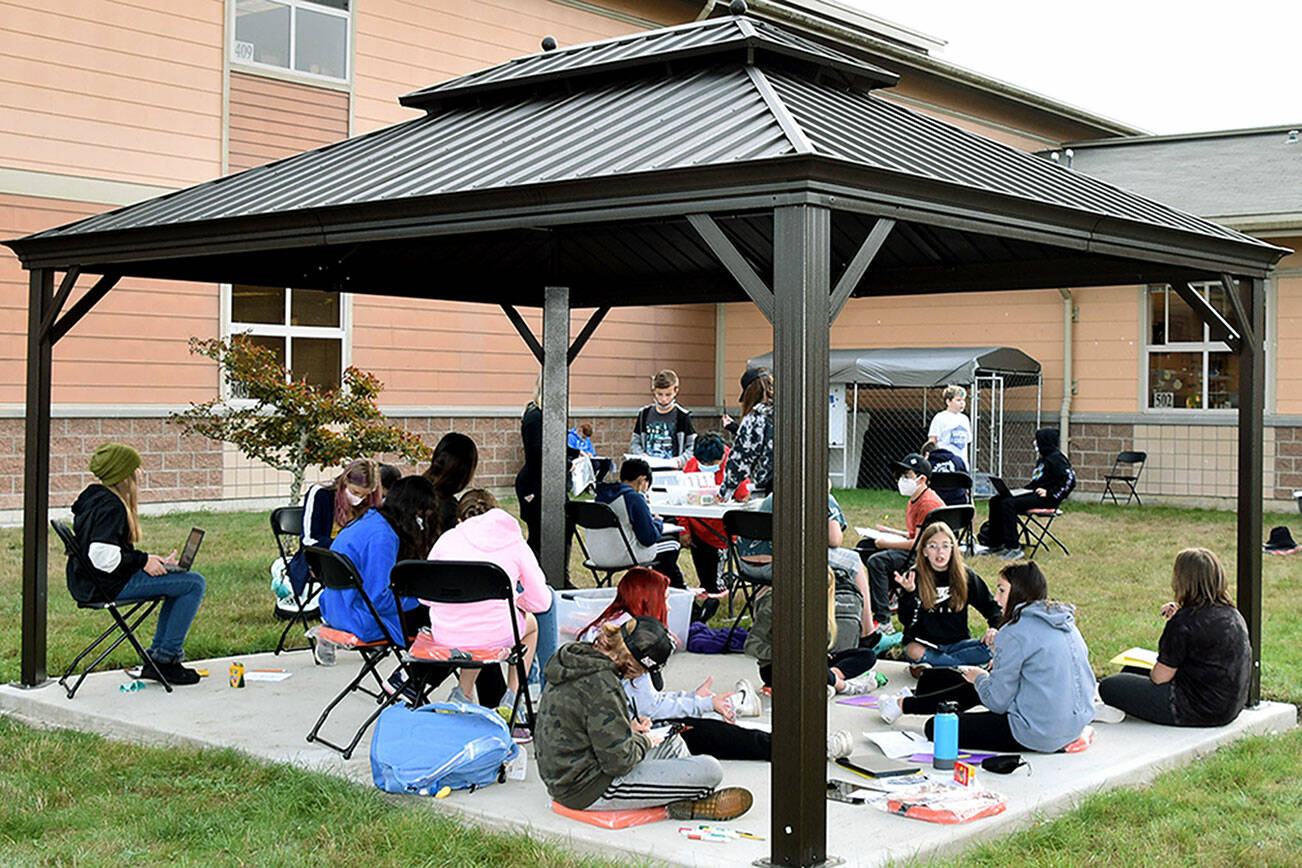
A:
188,552
1002,488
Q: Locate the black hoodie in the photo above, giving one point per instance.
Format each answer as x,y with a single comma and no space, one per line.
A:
99,515
1053,471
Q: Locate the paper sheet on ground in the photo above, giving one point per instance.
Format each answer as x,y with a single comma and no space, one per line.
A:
254,675
874,533
971,757
897,744
1141,657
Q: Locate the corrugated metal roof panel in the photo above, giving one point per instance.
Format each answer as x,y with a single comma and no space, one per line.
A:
870,131
699,38
711,117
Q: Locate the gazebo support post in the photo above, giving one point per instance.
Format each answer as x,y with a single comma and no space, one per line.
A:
36,477
801,250
555,418
1252,400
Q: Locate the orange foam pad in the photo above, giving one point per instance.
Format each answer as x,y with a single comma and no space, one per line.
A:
425,648
343,637
1086,739
614,819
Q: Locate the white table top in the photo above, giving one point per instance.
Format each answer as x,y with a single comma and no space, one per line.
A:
713,510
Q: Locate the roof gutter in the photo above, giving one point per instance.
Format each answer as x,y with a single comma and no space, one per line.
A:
860,40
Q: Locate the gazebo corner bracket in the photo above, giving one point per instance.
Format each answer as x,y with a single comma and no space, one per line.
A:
585,333
525,332
858,267
736,264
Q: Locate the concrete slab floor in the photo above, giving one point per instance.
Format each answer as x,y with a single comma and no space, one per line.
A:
269,721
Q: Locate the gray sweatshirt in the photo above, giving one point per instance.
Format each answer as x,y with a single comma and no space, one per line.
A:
1041,677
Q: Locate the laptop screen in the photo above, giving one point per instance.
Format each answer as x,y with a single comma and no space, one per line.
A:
191,548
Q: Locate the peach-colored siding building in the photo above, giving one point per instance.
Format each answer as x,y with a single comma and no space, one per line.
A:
114,104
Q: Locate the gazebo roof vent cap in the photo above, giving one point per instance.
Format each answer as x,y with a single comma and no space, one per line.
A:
549,43
737,7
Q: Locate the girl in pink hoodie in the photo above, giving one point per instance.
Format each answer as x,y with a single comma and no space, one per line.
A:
487,533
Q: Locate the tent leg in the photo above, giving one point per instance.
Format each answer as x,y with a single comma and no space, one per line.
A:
801,248
36,480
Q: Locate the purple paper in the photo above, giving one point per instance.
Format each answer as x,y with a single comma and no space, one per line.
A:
963,756
863,701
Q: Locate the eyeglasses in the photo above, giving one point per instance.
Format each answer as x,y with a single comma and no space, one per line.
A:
939,547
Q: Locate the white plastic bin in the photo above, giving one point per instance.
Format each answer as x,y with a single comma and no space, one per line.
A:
576,609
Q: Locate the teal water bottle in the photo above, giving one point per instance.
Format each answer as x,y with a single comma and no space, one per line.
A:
945,736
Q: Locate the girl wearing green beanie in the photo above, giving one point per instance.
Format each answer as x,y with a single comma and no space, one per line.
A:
106,523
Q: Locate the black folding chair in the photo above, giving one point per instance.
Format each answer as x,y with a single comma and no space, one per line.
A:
1034,527
746,576
287,530
455,583
599,518
959,519
337,572
127,615
1127,468
945,481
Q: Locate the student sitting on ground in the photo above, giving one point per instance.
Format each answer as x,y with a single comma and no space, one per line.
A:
645,531
1204,658
643,593
894,552
934,604
485,532
1051,482
1039,691
400,528
327,509
592,755
847,671
663,429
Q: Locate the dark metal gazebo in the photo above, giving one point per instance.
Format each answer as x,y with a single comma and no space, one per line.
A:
721,160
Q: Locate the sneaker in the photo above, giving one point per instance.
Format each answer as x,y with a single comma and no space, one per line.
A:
831,691
889,706
887,642
521,734
725,804
398,683
866,683
1104,713
839,744
1012,554
745,701
885,627
457,696
174,673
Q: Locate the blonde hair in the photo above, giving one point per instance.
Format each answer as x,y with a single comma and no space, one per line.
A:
1198,580
956,571
610,641
129,493
831,608
665,379
952,392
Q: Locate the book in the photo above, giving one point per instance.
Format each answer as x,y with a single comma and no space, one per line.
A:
1139,657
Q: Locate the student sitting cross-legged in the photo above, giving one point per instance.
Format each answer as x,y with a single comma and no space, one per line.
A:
644,530
595,754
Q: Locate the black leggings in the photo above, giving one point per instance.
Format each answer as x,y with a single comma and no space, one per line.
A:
852,662
1138,695
977,730
723,740
1004,512
705,558
983,730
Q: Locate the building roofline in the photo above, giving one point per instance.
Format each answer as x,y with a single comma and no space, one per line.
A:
1181,137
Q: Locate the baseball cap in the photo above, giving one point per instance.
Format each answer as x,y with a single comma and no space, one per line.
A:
915,462
648,641
752,374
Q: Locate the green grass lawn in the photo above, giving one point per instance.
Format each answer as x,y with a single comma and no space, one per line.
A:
218,808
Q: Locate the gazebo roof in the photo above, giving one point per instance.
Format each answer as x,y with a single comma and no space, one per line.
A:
580,164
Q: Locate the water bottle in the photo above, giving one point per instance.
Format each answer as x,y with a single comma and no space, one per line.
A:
945,736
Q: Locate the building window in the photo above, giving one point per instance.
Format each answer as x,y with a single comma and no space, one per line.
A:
308,36
1187,370
303,327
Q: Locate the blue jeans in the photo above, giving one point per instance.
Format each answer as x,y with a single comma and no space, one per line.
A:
969,652
548,639
183,592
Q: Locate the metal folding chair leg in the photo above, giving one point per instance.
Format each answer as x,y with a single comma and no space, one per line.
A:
126,627
1034,529
299,617
372,658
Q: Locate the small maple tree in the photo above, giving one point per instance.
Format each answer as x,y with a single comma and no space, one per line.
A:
291,424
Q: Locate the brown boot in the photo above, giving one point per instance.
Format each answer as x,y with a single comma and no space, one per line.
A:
724,804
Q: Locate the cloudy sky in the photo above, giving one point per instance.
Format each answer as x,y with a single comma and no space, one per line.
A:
1163,66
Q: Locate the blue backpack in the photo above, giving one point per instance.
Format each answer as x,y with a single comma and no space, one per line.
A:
443,744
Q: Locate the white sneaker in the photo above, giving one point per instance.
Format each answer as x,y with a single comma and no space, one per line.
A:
746,700
839,744
866,683
1104,713
889,706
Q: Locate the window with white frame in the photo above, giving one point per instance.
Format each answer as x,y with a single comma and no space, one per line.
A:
308,36
303,327
1187,370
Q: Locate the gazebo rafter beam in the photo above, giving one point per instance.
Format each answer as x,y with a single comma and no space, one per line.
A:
530,340
732,259
589,327
858,266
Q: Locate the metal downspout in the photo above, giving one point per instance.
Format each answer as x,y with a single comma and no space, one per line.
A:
1064,415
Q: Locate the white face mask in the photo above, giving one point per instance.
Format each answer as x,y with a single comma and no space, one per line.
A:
353,499
709,468
908,487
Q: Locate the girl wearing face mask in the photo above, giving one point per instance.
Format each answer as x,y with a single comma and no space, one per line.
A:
327,509
710,455
935,599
